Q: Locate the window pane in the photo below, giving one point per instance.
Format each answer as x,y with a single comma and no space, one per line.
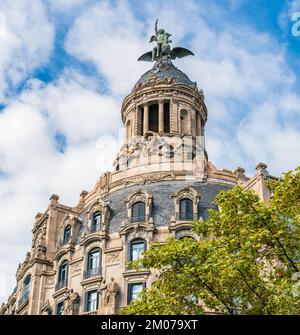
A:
135,290
94,260
91,301
67,233
136,250
138,212
63,272
96,223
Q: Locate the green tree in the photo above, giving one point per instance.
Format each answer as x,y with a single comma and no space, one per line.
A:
244,260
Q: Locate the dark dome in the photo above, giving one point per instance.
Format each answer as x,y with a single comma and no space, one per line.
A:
164,69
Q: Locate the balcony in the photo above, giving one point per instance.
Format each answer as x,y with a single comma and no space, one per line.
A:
138,218
24,298
187,217
94,228
61,284
91,273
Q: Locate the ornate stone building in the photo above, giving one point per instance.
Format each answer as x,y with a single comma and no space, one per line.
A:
162,181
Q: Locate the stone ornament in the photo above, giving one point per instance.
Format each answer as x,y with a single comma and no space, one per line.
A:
109,297
71,303
46,308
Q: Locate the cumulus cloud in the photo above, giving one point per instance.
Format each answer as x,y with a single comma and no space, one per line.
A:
33,169
110,36
26,38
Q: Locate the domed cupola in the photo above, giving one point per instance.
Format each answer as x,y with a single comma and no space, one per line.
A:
164,112
164,71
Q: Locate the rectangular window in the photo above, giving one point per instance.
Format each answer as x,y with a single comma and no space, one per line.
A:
59,308
91,301
134,291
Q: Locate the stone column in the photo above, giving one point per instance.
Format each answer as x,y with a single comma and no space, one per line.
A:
146,118
161,116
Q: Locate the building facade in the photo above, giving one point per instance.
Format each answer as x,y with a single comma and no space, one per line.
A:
162,181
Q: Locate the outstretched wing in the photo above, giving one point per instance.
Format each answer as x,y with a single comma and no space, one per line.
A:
147,57
153,38
180,52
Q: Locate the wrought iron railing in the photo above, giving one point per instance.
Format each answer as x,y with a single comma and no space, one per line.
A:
187,216
138,218
24,298
61,284
92,273
94,228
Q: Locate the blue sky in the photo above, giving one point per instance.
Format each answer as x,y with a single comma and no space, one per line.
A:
66,66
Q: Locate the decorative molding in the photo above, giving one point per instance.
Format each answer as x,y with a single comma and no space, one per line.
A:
113,257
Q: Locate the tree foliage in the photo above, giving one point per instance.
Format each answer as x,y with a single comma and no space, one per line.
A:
244,260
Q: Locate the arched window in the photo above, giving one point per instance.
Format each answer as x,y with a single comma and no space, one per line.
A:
93,263
26,289
62,275
153,118
186,210
138,211
184,124
96,222
67,235
26,284
136,248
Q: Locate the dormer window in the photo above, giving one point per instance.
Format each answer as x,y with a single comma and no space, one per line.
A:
67,235
138,212
186,210
96,222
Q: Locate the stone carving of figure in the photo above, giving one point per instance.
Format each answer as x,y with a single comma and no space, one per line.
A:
162,47
46,308
109,296
71,302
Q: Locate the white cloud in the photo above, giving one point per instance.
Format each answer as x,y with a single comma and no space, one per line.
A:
66,5
26,38
33,169
110,37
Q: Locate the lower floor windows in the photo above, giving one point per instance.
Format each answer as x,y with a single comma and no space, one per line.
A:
134,291
91,301
59,308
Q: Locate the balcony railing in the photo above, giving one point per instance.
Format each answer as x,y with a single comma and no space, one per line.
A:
24,297
62,243
92,273
138,218
187,216
61,284
94,228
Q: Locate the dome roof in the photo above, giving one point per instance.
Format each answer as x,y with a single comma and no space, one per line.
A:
164,69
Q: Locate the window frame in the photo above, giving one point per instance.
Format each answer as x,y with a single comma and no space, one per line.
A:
139,217
135,241
87,294
96,226
65,265
89,269
129,290
67,234
186,214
